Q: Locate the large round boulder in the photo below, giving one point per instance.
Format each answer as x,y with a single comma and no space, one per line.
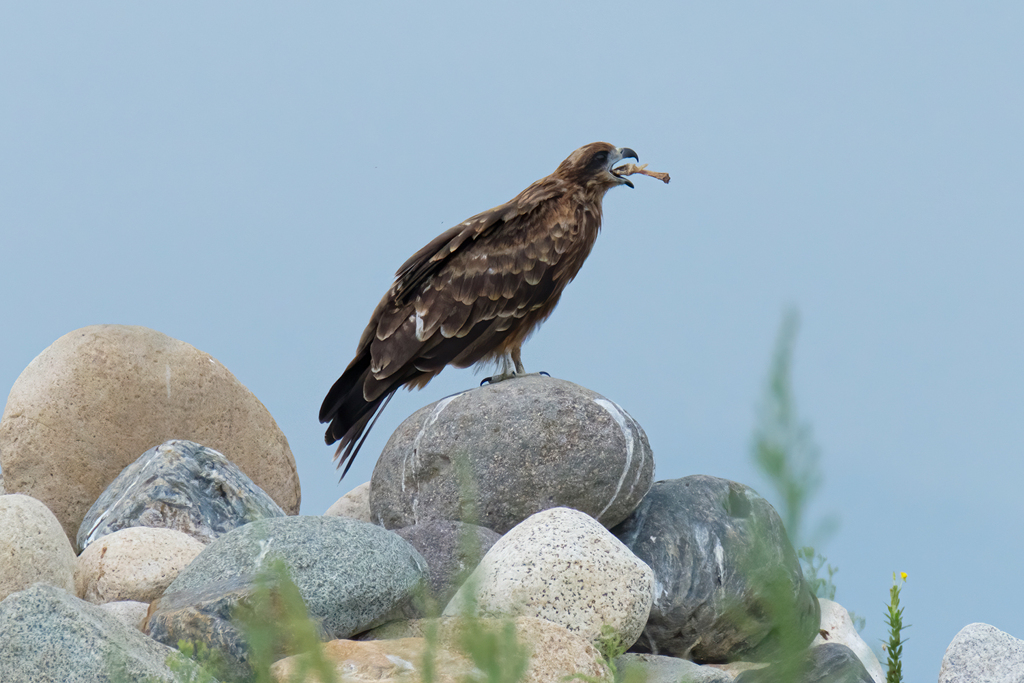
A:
728,582
98,397
495,455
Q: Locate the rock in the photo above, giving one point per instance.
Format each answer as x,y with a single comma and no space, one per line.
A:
88,405
349,573
178,485
209,615
48,635
495,455
828,663
383,661
982,653
660,669
563,566
137,563
130,612
837,627
33,547
554,653
727,580
354,504
452,550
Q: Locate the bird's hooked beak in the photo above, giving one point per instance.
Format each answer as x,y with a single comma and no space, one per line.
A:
617,155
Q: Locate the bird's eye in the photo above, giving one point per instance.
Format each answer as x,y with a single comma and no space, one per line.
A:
601,157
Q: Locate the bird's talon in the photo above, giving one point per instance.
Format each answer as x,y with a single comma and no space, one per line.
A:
543,373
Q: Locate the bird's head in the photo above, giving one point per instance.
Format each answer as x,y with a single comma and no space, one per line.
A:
592,165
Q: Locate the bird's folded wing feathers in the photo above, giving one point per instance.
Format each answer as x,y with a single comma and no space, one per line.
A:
501,276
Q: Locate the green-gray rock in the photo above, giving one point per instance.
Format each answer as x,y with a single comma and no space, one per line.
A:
350,574
48,635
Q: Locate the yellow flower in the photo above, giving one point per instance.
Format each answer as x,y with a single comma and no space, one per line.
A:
903,575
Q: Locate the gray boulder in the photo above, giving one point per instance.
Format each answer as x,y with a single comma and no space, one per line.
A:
48,635
178,485
452,550
728,585
660,669
350,574
497,454
980,652
209,615
829,663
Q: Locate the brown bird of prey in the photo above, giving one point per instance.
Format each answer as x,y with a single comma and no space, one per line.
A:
475,293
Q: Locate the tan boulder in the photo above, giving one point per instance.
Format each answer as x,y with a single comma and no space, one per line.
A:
33,547
552,652
99,397
381,661
354,504
137,563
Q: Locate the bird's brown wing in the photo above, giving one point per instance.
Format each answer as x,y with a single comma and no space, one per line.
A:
456,301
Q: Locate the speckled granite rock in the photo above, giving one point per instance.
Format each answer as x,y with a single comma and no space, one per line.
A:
521,446
137,563
96,398
178,485
129,611
981,652
48,635
452,550
726,576
33,547
350,574
561,565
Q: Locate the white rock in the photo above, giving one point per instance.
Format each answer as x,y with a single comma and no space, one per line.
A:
983,653
563,566
33,546
354,504
137,563
836,622
129,611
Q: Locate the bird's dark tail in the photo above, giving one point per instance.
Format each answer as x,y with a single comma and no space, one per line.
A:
351,416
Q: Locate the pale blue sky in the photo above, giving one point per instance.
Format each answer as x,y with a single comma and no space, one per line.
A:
247,177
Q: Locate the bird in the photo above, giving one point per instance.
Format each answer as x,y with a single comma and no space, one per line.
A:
475,293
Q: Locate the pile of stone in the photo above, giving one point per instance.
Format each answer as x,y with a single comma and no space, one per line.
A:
530,503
